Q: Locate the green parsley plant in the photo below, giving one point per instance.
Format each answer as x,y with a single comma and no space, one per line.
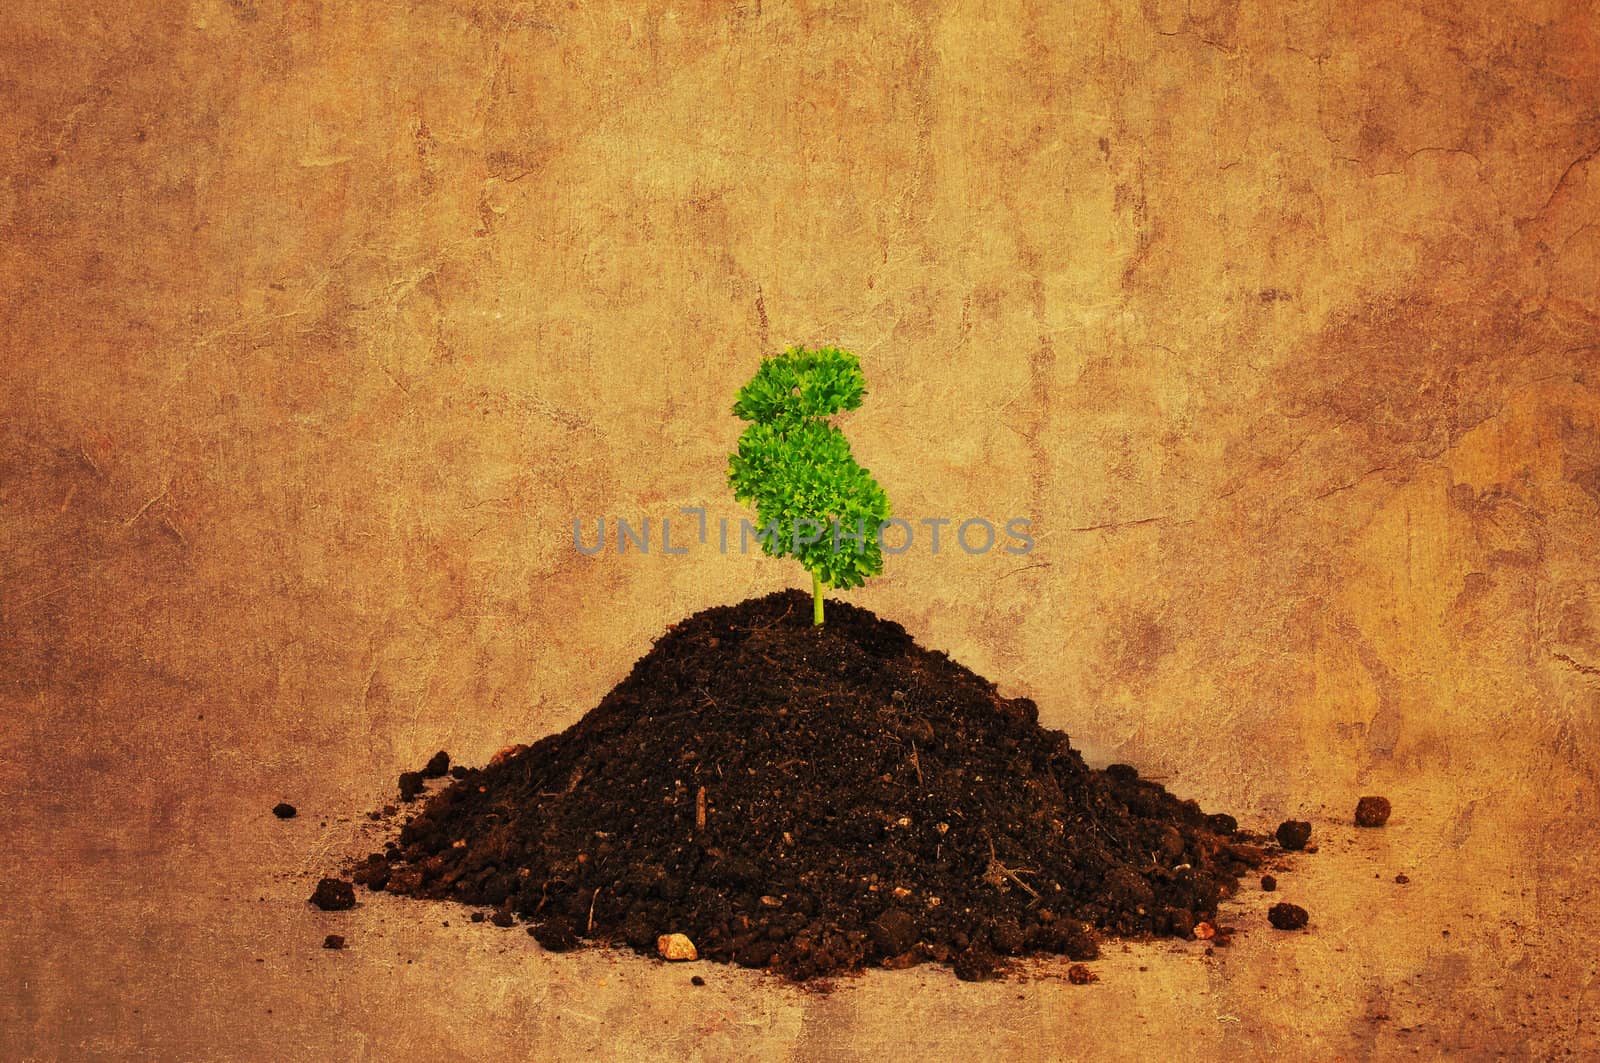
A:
813,501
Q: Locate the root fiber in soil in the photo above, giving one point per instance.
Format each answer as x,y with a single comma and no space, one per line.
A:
813,800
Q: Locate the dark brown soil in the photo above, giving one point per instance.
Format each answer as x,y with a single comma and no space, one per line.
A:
412,783
334,895
1287,916
1293,834
1372,811
814,800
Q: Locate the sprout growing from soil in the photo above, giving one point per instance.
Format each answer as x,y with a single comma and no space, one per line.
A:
813,501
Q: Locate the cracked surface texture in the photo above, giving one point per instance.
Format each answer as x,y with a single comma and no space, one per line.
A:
324,321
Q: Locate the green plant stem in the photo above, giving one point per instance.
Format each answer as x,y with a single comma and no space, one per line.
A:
816,600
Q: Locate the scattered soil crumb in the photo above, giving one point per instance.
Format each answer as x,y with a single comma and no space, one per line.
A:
334,895
1372,811
1293,834
1287,916
411,785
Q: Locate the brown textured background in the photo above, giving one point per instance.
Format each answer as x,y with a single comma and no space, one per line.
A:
323,320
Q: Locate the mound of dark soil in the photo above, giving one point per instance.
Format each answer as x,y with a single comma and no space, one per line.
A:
813,800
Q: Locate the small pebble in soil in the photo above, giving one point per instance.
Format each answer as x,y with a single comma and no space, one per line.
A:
676,947
476,917
1294,833
284,810
697,980
334,895
1078,974
1402,878
1287,916
437,766
1268,883
333,941
502,918
410,784
507,753
1372,811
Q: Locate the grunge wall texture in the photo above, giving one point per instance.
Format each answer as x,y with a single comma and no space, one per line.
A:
323,321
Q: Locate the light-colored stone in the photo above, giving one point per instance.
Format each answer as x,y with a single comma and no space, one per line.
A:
676,947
